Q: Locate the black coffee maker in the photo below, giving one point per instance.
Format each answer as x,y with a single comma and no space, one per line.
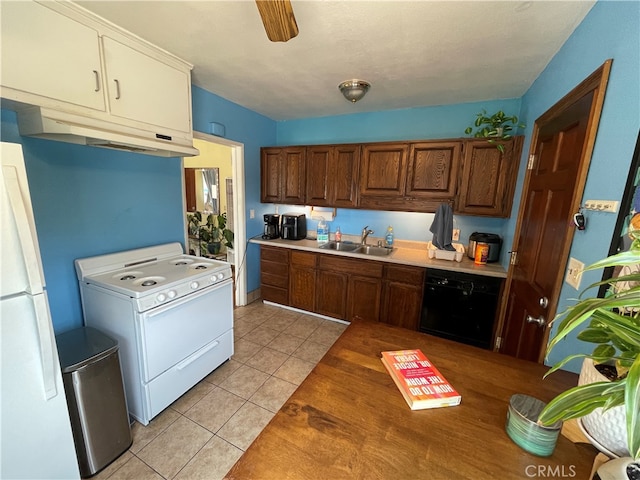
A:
271,226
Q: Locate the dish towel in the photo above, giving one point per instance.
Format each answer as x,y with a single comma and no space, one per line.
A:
442,228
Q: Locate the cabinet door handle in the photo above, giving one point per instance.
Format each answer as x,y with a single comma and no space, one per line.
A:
117,88
97,77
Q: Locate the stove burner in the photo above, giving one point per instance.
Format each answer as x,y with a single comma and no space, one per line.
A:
128,277
150,281
201,267
181,263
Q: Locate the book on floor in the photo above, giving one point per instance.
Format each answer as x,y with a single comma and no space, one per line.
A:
420,382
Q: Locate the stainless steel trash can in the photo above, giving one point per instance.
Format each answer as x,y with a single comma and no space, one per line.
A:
95,397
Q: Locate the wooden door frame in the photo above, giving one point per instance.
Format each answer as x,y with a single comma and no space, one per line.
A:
596,83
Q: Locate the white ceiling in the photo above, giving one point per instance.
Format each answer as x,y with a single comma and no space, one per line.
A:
414,53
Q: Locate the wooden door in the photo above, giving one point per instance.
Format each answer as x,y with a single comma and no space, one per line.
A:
432,170
561,149
488,178
331,294
364,298
270,175
190,189
318,175
383,173
402,296
345,165
292,174
302,280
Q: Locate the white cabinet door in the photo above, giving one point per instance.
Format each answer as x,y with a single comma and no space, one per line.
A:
45,53
144,89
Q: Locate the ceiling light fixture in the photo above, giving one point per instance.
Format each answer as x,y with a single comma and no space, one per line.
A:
354,90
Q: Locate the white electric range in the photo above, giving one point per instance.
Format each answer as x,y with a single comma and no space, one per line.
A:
171,313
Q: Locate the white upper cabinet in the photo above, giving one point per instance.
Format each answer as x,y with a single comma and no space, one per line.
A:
60,56
139,87
47,54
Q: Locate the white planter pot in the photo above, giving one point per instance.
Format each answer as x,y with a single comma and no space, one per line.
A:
607,430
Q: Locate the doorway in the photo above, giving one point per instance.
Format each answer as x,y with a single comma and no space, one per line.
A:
560,152
234,199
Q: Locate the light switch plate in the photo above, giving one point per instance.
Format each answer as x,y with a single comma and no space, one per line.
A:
574,273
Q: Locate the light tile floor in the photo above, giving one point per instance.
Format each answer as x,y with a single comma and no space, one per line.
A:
204,432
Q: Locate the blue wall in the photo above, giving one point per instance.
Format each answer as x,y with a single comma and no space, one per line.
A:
254,131
610,30
90,201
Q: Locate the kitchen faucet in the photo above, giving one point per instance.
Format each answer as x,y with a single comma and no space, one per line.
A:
365,234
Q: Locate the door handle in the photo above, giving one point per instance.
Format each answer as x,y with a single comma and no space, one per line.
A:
540,320
117,89
544,302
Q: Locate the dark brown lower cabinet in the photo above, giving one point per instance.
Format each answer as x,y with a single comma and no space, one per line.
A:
274,274
402,296
343,287
349,288
364,298
302,280
331,293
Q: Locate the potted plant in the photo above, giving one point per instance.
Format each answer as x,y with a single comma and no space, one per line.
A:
214,232
496,126
613,324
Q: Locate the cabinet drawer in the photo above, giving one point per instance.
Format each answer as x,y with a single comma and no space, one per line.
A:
274,294
303,259
275,254
347,265
274,269
274,280
404,274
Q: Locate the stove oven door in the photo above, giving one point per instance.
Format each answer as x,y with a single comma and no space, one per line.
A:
172,332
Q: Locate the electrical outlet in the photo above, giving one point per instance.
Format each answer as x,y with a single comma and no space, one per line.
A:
455,235
574,273
252,213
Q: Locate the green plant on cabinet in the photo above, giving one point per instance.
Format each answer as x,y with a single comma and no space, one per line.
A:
495,127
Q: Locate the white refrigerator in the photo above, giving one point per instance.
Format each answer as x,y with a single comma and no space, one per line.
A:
36,439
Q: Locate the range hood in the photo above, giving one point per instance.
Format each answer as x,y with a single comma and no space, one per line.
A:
66,127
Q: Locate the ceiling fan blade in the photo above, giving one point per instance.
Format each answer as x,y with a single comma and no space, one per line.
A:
277,17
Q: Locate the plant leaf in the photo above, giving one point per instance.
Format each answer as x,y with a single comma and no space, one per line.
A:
594,335
574,403
632,402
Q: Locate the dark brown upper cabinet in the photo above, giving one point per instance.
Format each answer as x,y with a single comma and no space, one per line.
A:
488,178
332,175
282,175
409,176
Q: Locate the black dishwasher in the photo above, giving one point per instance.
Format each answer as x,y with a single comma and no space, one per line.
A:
460,306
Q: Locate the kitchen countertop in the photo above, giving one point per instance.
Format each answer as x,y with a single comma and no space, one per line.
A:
348,420
405,253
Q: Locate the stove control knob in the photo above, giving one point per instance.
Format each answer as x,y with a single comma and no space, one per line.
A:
172,294
194,285
220,276
161,297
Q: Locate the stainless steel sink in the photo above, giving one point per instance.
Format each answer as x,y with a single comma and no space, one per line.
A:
373,250
340,246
